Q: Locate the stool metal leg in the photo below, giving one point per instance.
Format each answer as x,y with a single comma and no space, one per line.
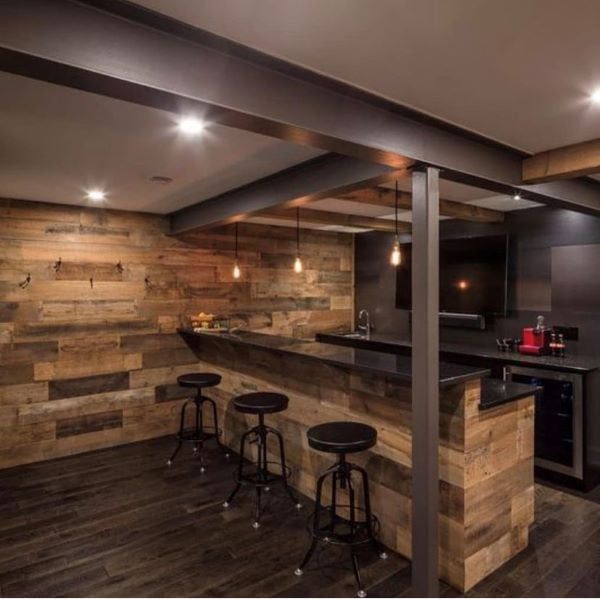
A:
174,455
215,420
286,486
347,475
238,485
261,466
199,446
316,525
361,592
181,429
369,523
256,522
333,511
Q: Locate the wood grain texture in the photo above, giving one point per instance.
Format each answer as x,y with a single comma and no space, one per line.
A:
485,457
383,196
338,219
109,524
71,353
567,162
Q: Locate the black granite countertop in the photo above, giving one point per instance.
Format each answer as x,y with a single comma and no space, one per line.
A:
495,392
365,360
578,364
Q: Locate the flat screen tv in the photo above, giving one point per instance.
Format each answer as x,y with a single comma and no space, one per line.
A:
473,273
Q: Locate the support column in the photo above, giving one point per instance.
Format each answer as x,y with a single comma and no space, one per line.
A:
425,381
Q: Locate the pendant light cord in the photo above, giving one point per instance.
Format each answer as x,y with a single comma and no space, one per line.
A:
396,209
298,231
236,240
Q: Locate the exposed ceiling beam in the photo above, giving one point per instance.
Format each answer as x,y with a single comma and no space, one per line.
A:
127,52
567,162
381,196
312,180
336,218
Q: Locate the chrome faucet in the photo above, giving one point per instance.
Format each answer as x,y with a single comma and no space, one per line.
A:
364,328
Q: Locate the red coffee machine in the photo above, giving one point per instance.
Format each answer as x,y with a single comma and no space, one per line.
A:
536,340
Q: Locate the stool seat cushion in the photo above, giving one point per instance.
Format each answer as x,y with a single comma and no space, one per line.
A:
342,437
199,379
261,402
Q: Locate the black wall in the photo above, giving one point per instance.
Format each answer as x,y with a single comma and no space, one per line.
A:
554,270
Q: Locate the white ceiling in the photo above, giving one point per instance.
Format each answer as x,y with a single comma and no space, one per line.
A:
518,71
56,142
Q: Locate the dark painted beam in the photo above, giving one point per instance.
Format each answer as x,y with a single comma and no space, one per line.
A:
312,180
133,54
425,382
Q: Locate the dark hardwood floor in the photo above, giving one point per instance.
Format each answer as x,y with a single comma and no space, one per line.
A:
118,522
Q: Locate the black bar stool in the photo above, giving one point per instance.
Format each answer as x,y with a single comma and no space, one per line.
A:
259,476
328,525
199,433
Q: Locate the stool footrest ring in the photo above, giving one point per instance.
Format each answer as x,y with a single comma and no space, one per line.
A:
190,434
342,532
261,479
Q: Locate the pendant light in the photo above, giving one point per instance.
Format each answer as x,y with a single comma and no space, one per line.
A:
396,255
298,260
236,264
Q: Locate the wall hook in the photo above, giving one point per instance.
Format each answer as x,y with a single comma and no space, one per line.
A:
92,282
26,282
148,283
120,267
57,265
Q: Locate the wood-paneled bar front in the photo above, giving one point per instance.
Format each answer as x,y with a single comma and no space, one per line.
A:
486,456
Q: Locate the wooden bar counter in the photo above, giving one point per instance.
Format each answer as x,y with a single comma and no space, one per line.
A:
485,455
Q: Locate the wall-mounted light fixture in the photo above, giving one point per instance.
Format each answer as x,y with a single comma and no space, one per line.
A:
396,255
298,260
26,282
236,264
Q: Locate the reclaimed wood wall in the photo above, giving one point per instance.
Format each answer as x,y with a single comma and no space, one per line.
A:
89,354
485,457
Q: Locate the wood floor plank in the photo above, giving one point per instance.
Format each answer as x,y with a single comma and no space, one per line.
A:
119,523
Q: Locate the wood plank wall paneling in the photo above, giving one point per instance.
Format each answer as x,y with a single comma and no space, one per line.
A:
84,367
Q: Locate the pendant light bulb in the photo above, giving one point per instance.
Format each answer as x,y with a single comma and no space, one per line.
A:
237,273
298,264
298,261
396,255
236,263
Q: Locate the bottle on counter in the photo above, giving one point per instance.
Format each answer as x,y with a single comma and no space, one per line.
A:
561,346
553,344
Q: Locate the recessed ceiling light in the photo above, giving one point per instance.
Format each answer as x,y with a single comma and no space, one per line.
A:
517,196
96,195
191,125
595,96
